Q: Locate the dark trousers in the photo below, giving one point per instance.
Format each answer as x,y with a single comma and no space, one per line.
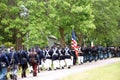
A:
74,60
24,68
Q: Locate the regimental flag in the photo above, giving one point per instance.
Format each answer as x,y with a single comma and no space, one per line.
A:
74,43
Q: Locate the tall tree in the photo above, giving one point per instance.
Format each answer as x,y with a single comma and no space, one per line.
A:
106,19
66,15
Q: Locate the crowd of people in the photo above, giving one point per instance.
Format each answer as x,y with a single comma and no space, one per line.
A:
49,58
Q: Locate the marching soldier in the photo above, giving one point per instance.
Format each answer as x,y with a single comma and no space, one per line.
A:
34,60
14,61
3,65
100,52
23,56
80,56
29,65
41,58
55,58
62,57
109,52
84,50
48,59
118,51
74,56
68,57
89,54
105,53
94,53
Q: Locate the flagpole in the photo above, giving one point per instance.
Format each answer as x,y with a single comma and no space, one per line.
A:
74,43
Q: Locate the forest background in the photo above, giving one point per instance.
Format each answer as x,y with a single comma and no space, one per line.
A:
30,22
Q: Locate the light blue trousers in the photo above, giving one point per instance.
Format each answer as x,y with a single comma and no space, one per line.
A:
3,72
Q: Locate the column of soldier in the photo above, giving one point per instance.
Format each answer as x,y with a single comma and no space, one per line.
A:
49,59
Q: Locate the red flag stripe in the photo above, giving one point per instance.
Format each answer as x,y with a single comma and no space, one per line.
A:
74,43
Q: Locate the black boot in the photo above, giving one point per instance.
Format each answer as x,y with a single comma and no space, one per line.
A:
69,67
6,77
24,74
11,76
38,70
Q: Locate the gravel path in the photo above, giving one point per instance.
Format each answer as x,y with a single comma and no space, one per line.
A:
56,75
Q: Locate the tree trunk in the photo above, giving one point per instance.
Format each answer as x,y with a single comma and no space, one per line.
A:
80,39
18,43
12,2
62,39
17,40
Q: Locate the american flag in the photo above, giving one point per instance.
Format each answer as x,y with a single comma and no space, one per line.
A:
74,43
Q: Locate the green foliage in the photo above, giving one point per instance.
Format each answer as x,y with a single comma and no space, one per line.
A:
116,39
98,20
106,19
9,44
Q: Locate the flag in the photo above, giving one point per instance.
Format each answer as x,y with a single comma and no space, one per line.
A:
74,43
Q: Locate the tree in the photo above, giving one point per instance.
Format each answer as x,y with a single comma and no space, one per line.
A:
30,22
106,14
66,15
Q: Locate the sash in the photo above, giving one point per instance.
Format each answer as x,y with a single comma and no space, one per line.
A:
54,51
60,52
47,53
66,51
12,58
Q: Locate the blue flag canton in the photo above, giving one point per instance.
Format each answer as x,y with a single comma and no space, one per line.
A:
73,35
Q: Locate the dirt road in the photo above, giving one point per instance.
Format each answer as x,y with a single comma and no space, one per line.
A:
56,75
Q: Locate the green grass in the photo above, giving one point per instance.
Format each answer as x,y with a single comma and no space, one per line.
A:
109,72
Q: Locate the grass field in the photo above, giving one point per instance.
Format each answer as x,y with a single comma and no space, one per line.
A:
109,72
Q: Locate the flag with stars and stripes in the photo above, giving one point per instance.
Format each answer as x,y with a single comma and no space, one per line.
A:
74,43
